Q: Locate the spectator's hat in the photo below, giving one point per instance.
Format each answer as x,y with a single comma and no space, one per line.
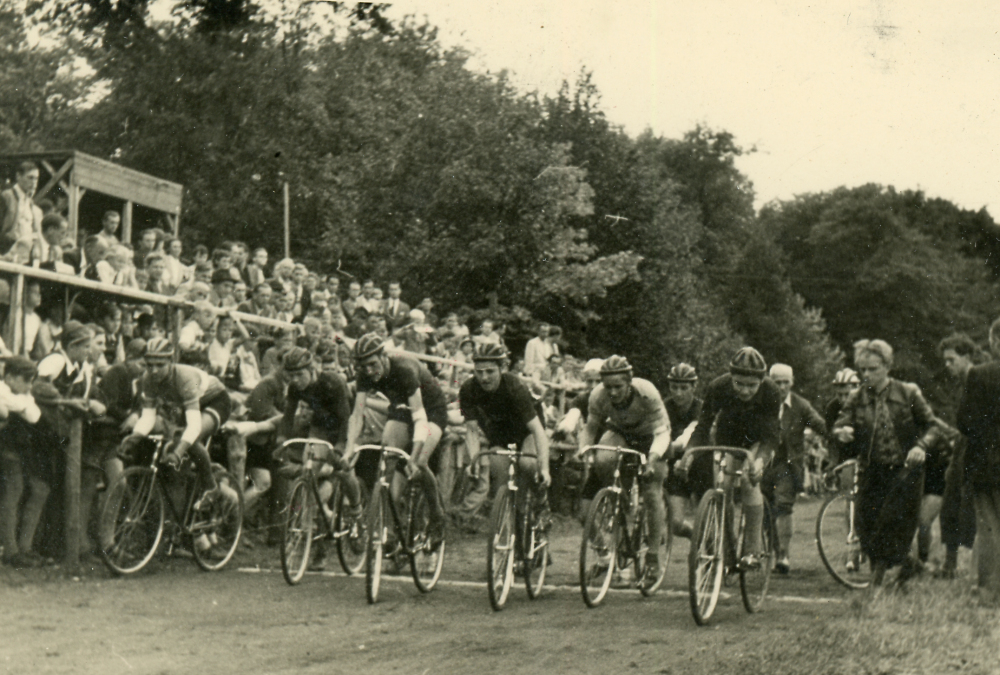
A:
21,366
75,333
221,276
295,359
135,349
781,371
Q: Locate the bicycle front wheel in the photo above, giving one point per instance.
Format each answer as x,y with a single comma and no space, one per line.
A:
535,547
500,549
838,543
223,526
426,559
350,535
706,559
131,522
754,581
378,533
599,549
297,532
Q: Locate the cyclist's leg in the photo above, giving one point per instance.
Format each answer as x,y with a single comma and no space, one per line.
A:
236,458
425,477
602,469
753,511
199,454
652,494
529,471
396,434
784,483
678,494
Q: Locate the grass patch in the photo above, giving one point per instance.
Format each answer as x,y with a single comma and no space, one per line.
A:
930,627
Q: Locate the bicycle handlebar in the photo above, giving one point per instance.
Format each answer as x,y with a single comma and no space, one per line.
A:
843,465
724,449
380,448
616,448
316,441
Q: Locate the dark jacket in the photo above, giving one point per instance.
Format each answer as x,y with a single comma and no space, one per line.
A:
912,419
979,419
118,391
793,426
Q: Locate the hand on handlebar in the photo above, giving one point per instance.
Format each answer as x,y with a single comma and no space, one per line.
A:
546,477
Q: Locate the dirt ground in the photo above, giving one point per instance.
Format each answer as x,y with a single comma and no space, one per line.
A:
246,619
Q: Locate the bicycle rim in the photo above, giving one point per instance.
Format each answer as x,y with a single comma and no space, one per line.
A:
705,561
223,527
599,548
838,543
131,522
754,582
650,580
426,561
536,550
377,534
351,537
297,532
500,549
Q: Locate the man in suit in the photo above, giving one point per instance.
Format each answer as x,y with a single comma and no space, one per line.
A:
397,312
783,480
979,420
20,217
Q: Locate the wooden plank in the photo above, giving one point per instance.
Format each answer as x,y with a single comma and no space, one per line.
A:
56,177
126,233
127,184
74,209
17,315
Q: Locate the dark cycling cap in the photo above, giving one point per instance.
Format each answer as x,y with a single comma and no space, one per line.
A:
682,372
368,345
616,365
159,348
846,376
326,351
748,361
489,351
295,359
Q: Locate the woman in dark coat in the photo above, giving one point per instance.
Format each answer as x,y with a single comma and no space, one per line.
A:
891,427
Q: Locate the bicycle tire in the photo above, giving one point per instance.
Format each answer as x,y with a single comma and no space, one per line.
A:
535,545
599,548
224,527
706,561
754,582
500,549
377,534
134,514
426,561
650,584
839,547
351,536
297,532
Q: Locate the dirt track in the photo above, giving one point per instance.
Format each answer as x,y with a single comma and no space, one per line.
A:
177,619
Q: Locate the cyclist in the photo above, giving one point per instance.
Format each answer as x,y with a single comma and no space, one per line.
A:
206,407
418,412
744,405
683,408
635,417
500,405
326,395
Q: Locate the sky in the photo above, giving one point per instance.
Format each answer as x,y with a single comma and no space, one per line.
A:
832,93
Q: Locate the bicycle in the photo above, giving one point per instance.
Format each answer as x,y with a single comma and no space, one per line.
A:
616,534
135,516
718,542
410,530
836,533
307,512
515,536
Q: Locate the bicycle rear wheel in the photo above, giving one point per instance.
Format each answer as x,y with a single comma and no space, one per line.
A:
131,522
535,548
838,543
599,548
297,532
649,580
426,560
500,548
378,533
350,533
754,582
223,525
706,559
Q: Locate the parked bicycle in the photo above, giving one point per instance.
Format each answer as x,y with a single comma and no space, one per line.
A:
836,531
395,530
146,499
310,520
616,533
518,542
719,542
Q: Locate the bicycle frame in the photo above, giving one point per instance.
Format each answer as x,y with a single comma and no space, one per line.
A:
385,481
725,476
309,467
514,453
181,519
623,506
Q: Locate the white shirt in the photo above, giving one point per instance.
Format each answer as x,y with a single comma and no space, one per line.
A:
20,404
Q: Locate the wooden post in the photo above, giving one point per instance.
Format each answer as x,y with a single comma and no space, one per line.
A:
74,527
74,209
126,235
288,235
178,324
17,315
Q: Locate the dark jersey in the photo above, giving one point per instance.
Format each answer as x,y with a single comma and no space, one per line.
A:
680,420
405,376
740,424
582,403
329,400
503,414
